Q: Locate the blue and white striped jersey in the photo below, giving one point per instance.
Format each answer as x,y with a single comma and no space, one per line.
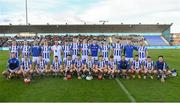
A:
26,50
142,51
117,49
84,48
136,64
46,52
149,65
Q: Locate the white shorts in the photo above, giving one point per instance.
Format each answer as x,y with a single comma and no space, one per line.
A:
94,58
117,58
84,57
74,57
142,59
35,59
129,59
47,60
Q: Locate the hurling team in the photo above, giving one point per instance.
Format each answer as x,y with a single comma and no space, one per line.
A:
98,59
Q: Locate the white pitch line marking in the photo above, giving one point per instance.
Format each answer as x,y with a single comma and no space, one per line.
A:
125,90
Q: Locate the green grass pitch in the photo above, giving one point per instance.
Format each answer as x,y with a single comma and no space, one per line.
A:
58,90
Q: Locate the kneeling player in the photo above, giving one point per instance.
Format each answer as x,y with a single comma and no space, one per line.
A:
26,67
149,68
56,66
123,67
111,66
88,65
101,67
162,68
13,66
78,65
68,64
41,66
136,67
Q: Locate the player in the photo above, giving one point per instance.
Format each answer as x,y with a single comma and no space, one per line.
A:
75,48
26,67
94,49
149,67
56,66
67,50
136,67
14,48
13,66
25,50
68,65
41,66
123,67
128,51
36,52
117,49
89,65
104,49
57,50
162,68
46,52
78,65
84,48
101,67
142,52
111,66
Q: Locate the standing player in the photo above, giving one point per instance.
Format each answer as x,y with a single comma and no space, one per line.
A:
57,49
162,68
149,67
75,48
84,48
14,49
26,50
56,66
94,49
128,51
123,67
36,52
46,52
67,50
104,49
142,52
117,48
136,67
13,66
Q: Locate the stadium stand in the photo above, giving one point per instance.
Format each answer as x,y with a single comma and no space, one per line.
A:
155,40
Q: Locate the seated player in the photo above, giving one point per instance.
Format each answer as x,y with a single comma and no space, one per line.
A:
13,66
78,65
136,67
111,66
56,66
88,65
41,65
68,65
26,67
162,68
149,68
123,67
